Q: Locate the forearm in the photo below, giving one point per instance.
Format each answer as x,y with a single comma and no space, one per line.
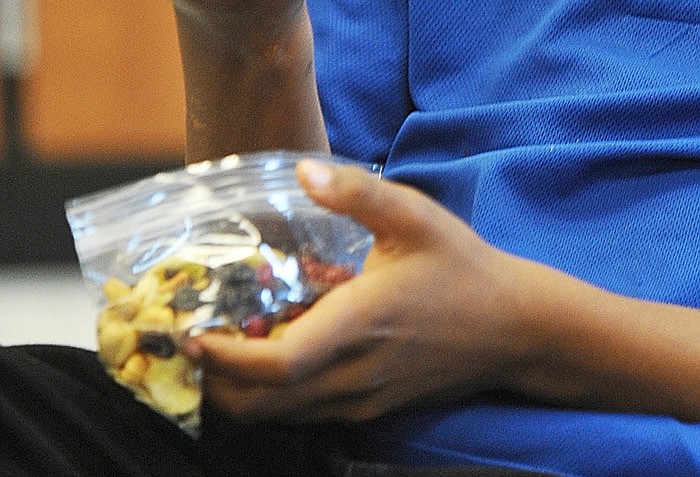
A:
595,349
249,79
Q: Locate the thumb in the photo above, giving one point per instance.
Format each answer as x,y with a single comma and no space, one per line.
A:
387,209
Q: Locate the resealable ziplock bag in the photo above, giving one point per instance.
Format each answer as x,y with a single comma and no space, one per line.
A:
233,245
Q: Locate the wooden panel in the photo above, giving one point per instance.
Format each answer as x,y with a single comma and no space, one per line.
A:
106,83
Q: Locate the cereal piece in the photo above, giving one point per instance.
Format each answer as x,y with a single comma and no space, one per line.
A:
201,284
146,289
115,290
155,317
117,341
172,385
124,310
169,267
176,281
134,370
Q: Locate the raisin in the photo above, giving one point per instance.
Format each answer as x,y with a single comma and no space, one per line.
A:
237,300
186,298
158,344
237,273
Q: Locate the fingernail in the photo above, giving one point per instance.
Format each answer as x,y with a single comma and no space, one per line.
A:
318,175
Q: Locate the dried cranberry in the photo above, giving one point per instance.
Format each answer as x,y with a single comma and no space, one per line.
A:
336,274
265,275
317,271
256,326
311,267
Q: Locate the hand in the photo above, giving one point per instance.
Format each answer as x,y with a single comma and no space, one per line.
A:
426,319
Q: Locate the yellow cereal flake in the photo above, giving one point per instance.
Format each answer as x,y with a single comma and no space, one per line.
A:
172,385
155,317
169,267
146,286
116,341
134,370
115,290
124,310
176,281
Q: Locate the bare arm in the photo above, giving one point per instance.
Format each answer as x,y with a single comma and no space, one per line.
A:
604,351
249,77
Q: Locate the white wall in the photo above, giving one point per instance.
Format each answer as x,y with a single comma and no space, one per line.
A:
46,304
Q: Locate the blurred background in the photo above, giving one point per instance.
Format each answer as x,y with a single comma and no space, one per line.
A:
92,96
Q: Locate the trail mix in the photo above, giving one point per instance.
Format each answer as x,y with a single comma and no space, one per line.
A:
142,325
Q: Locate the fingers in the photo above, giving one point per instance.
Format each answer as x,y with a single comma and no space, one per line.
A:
307,344
387,209
315,360
255,404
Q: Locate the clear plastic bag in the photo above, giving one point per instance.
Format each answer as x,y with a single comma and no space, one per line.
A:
233,245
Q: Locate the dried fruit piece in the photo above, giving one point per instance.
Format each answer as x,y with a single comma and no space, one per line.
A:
239,294
264,275
293,311
256,297
256,326
186,298
157,344
318,272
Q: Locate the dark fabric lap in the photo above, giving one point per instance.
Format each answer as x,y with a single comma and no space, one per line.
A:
60,414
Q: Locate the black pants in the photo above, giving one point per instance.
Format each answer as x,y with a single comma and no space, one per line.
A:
61,415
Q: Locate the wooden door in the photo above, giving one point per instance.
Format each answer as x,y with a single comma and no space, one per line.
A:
105,84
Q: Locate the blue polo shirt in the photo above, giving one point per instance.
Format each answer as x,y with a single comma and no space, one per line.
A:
567,132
